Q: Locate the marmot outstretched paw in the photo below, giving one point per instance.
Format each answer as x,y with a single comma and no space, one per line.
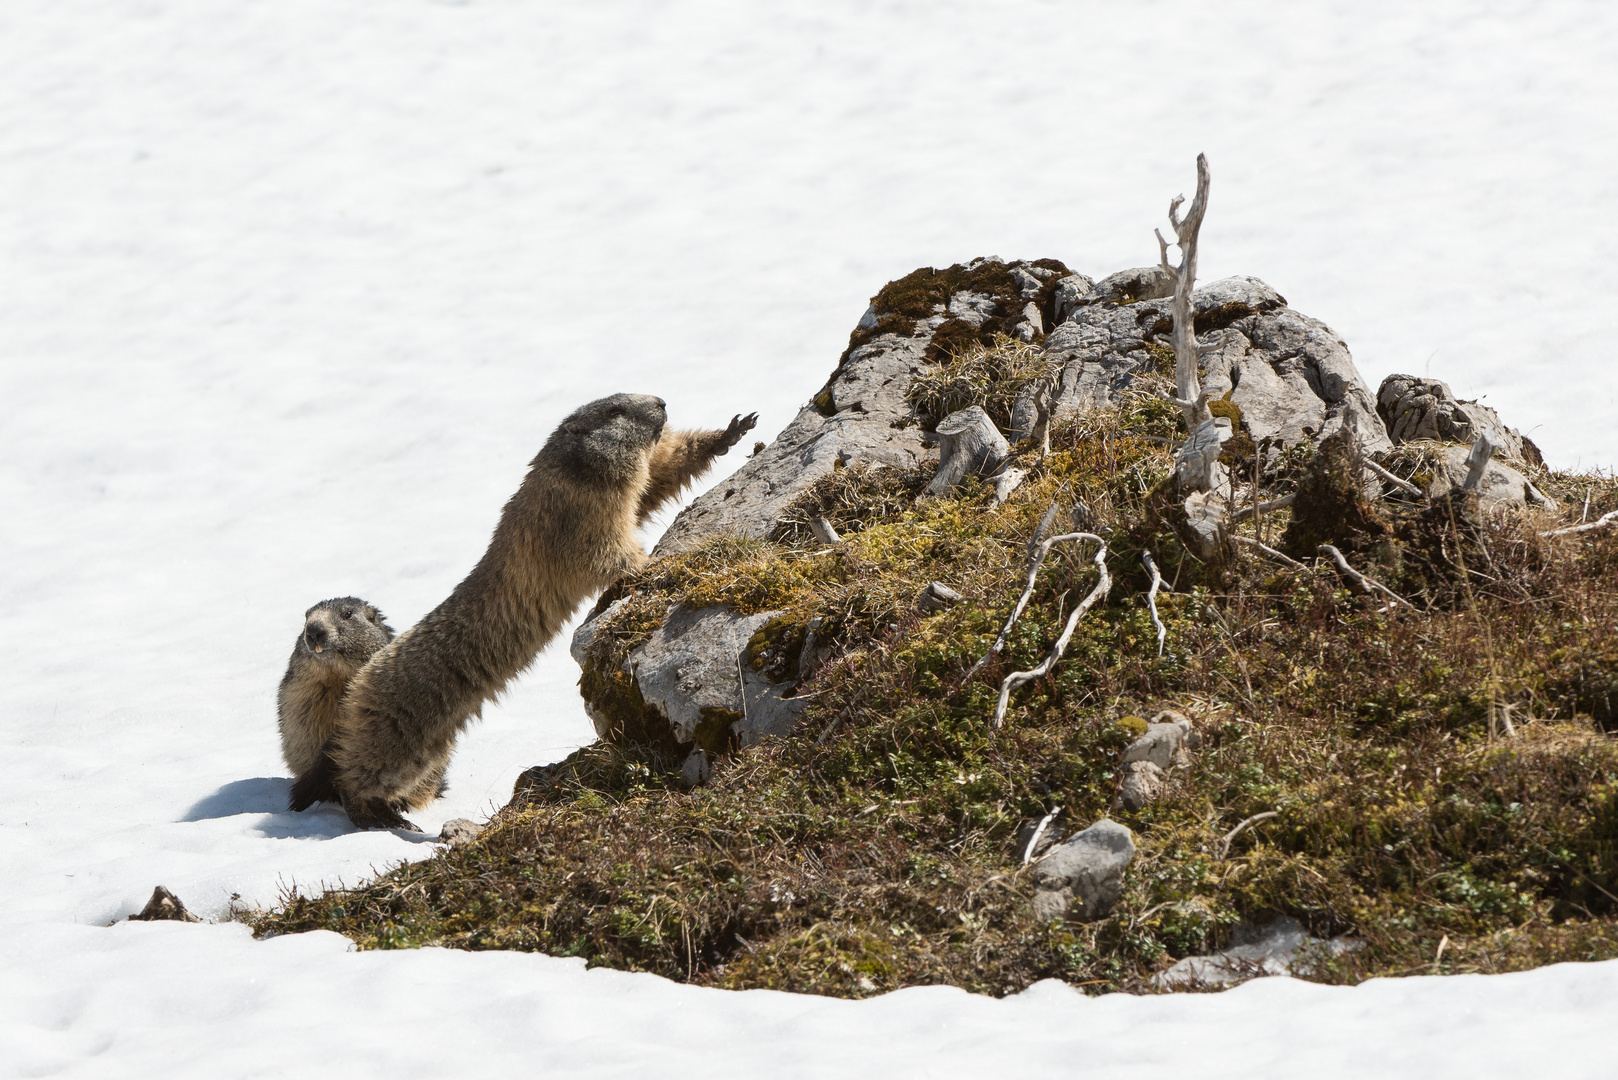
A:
739,426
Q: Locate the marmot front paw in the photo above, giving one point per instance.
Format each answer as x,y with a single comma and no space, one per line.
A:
739,426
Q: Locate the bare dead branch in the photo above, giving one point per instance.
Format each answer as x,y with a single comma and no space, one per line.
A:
1398,482
1605,519
1263,508
1224,842
1151,598
1367,584
1186,356
1037,550
824,531
1269,551
1039,830
1103,586
1477,460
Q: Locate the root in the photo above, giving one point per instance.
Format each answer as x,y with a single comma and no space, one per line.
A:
1151,598
1365,583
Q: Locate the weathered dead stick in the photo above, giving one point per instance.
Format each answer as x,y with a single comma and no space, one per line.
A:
1271,552
1039,831
1224,842
1263,508
1398,482
1038,548
1103,586
1365,583
1186,356
1151,598
1605,519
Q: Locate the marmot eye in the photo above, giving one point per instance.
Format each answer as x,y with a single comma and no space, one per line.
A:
348,613
616,410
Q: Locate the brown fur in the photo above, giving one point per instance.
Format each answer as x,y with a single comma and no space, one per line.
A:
567,533
337,639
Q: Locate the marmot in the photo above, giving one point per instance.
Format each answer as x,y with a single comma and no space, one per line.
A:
338,637
567,533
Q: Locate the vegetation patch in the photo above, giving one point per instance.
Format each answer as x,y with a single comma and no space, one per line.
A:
1442,777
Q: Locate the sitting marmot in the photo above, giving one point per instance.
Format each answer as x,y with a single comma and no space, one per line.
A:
567,533
338,637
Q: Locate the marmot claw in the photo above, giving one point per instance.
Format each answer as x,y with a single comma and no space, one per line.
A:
739,426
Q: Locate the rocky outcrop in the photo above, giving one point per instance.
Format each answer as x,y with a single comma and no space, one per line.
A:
1414,408
1292,378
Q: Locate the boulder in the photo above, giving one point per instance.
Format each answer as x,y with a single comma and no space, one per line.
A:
1501,484
1162,744
1085,875
1139,784
1415,408
458,832
1291,376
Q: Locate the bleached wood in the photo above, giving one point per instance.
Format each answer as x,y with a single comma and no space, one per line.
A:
1151,598
1604,520
968,442
1271,552
1398,482
1103,586
1369,585
1186,377
1264,508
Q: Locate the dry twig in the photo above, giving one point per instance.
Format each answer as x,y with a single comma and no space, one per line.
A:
1263,508
1151,598
1269,551
1398,482
1605,519
1367,584
1103,586
1224,843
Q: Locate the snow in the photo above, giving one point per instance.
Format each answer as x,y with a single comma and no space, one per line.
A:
293,291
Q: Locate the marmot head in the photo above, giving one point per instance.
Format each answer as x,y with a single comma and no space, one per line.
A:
609,436
345,628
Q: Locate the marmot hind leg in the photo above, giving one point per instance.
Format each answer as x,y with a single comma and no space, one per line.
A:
318,783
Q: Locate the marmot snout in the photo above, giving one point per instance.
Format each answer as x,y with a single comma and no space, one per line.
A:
339,636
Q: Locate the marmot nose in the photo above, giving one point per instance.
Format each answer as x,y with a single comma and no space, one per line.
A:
661,404
314,635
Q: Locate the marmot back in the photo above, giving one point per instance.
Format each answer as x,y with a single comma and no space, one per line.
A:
339,636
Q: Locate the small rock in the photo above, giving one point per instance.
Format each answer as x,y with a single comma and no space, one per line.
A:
1280,947
1072,292
1161,744
1133,286
937,597
164,906
459,831
695,770
1085,874
1501,484
1140,784
1028,285
824,531
1415,408
536,779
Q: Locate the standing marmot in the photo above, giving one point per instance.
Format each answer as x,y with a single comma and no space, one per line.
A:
567,533
338,637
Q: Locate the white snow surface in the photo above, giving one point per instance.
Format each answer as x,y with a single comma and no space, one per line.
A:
292,292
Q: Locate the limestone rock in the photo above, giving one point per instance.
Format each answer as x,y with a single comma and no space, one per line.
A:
860,417
695,770
1291,376
1085,876
1162,744
1280,947
1501,485
1071,292
937,597
1414,408
458,832
164,906
1140,783
693,671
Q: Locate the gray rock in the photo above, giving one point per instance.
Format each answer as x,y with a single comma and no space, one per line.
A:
973,307
1085,876
457,832
937,597
1028,283
164,906
1162,745
1291,376
695,770
1071,292
1414,408
1501,484
693,668
1132,286
1139,784
1280,947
